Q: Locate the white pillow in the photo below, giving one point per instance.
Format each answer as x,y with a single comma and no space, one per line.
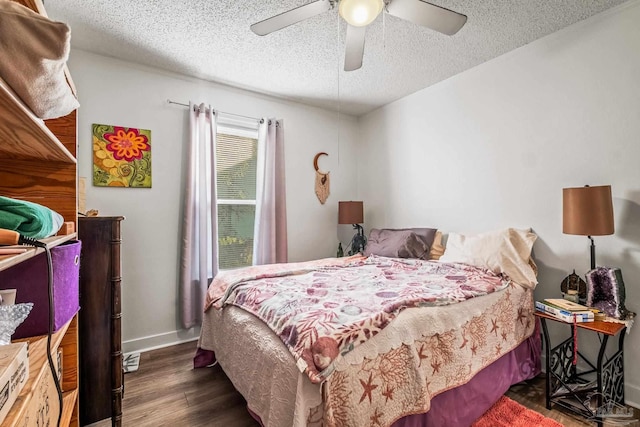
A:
502,251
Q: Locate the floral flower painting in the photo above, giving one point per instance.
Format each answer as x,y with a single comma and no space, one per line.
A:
121,156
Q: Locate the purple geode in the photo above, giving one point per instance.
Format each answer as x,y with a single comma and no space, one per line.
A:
605,291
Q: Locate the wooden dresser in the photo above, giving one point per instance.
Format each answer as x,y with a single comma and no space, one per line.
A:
101,379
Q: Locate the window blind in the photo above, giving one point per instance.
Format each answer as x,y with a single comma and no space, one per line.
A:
236,161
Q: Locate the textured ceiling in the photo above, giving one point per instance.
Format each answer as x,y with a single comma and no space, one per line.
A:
211,40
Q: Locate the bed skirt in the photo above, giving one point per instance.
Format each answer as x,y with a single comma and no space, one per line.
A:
462,405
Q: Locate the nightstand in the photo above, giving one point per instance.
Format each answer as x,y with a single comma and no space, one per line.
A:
568,387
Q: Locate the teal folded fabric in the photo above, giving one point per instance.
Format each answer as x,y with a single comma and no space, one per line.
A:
29,219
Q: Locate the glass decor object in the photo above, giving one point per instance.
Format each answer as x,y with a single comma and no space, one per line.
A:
11,316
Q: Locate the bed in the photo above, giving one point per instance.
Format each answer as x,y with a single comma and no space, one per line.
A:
435,352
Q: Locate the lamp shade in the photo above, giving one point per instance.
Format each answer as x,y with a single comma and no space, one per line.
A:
350,213
587,211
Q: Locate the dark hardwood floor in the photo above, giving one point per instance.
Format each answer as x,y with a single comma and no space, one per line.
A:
167,391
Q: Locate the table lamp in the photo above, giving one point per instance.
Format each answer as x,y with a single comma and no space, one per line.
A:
353,213
587,211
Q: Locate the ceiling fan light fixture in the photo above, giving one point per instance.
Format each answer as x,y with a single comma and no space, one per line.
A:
360,12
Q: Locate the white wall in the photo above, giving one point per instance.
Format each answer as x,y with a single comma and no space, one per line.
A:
494,146
119,93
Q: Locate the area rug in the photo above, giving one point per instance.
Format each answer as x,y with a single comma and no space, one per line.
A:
508,413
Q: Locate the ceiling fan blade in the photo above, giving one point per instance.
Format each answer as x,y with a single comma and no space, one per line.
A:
290,17
428,15
354,47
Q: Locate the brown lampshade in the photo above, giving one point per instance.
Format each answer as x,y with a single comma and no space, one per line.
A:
587,211
350,213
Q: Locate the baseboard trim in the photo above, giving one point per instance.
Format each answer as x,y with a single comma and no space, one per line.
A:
632,395
153,342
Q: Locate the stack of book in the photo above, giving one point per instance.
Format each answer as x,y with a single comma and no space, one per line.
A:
566,311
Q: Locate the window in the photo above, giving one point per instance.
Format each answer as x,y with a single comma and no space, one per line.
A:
236,161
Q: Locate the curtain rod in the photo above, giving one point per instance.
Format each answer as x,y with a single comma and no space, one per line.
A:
221,112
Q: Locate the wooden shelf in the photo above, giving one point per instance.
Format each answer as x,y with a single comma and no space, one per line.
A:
38,164
38,369
7,261
23,135
69,399
37,158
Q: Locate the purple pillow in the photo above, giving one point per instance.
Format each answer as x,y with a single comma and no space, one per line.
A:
400,243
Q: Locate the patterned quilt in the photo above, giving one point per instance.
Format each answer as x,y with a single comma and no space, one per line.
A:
324,309
397,378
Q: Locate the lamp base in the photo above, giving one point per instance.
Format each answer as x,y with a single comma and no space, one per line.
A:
593,253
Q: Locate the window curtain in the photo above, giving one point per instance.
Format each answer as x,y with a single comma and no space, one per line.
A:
270,230
199,258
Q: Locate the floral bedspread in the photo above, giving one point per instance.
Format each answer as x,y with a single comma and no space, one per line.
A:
324,309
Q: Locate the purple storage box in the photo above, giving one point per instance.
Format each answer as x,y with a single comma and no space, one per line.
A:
29,278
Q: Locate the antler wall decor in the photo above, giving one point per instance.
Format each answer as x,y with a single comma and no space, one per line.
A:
322,180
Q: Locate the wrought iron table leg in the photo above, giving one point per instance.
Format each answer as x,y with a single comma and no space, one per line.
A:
603,347
621,351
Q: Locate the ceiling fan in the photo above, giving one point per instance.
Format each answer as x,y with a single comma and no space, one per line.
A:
360,13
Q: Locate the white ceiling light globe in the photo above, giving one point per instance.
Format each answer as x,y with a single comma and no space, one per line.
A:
360,12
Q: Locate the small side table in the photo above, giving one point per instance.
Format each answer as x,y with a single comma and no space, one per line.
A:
569,388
